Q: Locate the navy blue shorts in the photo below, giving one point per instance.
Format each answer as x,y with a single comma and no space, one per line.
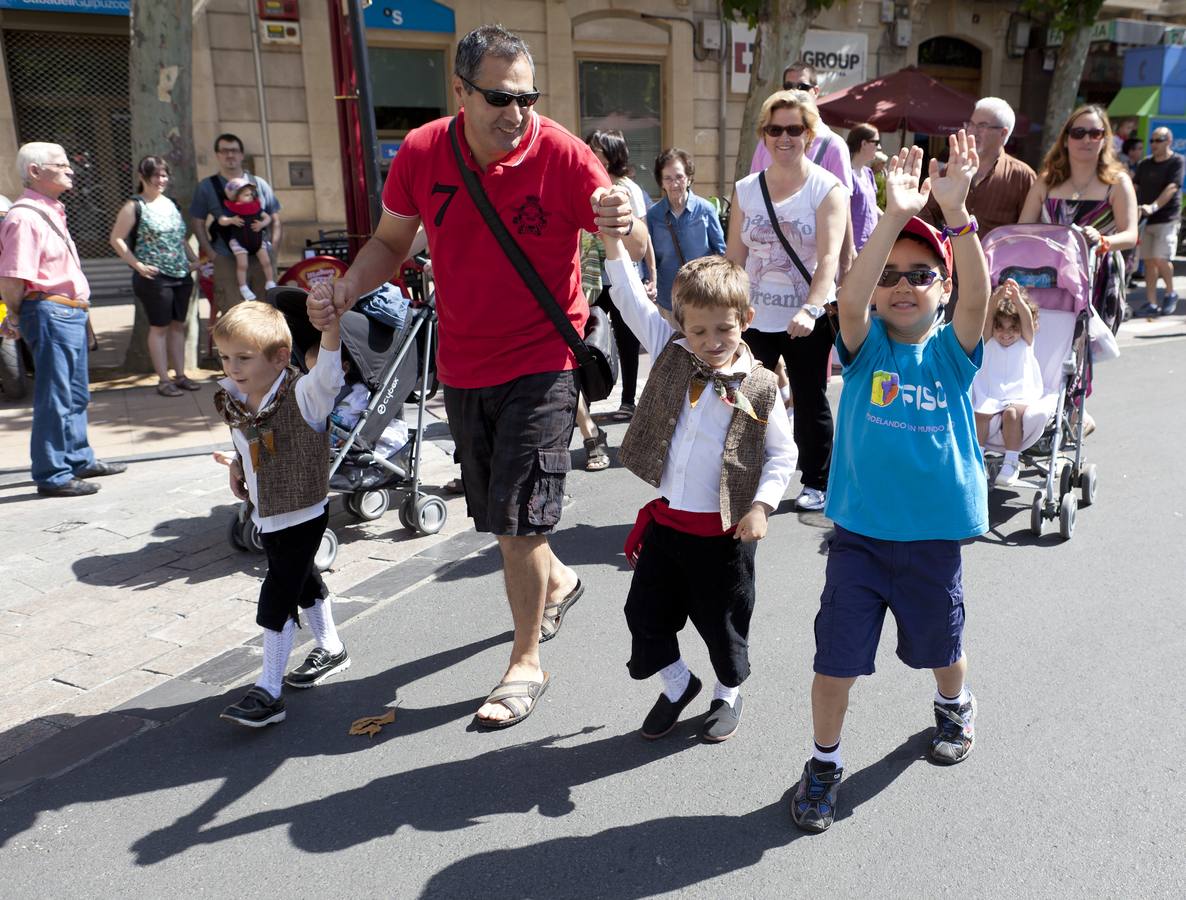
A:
921,582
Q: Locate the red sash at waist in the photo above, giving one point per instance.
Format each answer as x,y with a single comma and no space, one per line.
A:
660,512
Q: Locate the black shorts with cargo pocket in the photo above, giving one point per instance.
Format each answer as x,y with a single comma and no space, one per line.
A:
512,442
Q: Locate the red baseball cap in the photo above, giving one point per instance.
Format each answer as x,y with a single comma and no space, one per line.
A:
934,239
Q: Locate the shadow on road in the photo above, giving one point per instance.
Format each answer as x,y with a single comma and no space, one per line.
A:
660,856
200,748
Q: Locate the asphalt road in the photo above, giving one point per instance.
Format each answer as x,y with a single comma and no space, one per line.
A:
1075,789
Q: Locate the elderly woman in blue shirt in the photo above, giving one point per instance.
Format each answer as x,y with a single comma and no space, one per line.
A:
683,226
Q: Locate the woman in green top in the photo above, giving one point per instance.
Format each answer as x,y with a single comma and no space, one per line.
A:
149,234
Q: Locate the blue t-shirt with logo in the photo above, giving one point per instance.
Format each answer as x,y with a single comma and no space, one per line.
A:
906,465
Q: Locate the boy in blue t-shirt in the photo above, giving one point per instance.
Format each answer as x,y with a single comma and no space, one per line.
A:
908,481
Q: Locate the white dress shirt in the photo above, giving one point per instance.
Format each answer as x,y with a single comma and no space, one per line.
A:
692,472
315,396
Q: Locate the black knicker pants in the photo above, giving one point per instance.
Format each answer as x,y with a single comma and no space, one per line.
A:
709,580
807,360
628,346
292,581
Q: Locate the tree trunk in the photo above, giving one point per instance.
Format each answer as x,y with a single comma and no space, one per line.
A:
781,29
1064,86
162,109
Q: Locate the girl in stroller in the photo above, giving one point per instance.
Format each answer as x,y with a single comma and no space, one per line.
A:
1010,378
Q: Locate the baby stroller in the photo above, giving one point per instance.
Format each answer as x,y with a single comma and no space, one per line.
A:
1056,267
392,366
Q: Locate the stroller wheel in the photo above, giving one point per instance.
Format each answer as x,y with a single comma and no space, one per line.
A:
234,538
250,537
369,505
1036,513
1087,480
1066,516
430,514
327,552
1066,479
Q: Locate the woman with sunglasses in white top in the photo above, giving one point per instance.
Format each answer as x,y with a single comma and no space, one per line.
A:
789,290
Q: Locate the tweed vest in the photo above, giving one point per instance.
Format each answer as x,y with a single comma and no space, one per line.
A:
648,439
294,472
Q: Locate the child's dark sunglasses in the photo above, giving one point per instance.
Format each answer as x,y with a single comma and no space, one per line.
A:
914,277
504,98
798,86
776,131
1080,133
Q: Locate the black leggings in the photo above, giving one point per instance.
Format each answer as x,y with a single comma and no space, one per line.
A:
627,346
807,370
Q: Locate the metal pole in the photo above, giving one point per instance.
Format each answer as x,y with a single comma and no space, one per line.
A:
259,87
366,110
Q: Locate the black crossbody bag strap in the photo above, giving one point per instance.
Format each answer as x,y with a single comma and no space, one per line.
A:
782,238
675,238
518,258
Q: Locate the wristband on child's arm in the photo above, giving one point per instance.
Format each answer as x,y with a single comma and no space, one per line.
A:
971,228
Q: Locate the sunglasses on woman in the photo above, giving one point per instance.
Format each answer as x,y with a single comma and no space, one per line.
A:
775,131
504,98
914,277
1079,134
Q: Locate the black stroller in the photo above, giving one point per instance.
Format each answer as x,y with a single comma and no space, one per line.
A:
392,365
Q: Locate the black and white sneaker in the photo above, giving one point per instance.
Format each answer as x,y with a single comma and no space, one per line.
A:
318,666
257,709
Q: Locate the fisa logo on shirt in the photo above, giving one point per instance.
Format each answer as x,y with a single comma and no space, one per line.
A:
887,386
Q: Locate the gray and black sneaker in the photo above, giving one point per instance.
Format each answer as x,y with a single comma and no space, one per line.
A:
954,731
813,808
257,709
318,666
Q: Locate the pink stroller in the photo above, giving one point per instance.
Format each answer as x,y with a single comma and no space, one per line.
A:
1056,266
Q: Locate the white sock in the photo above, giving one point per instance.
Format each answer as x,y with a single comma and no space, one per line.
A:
946,701
827,756
1011,457
675,679
277,646
728,694
268,285
321,622
247,293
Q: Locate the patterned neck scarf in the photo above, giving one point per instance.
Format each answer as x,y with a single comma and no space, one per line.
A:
723,385
253,424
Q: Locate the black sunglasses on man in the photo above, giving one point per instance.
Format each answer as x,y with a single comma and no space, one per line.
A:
504,98
798,86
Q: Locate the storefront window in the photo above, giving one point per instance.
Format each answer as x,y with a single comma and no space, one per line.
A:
407,88
626,96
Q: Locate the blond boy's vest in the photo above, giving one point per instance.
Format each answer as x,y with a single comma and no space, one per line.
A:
293,472
648,439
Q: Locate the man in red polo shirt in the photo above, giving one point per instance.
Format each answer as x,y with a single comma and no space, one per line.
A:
510,388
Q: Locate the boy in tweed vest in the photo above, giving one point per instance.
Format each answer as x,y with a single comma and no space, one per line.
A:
278,425
711,434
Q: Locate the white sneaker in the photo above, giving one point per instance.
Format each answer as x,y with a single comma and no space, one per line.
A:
811,500
1007,476
247,293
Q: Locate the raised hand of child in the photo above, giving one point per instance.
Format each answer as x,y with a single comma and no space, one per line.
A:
951,187
905,191
320,306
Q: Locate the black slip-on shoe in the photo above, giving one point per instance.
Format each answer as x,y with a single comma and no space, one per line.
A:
98,469
257,709
319,665
665,713
722,722
72,488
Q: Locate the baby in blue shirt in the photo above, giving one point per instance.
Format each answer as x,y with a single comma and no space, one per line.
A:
908,481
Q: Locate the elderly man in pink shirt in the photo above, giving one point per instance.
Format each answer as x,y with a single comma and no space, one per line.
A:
46,293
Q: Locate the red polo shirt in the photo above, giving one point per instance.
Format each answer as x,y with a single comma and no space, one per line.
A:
492,328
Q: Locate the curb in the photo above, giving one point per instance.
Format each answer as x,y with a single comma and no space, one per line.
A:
72,747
